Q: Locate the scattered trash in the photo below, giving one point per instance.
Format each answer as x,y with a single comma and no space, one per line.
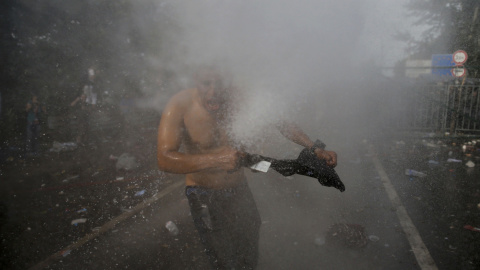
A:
350,235
70,178
433,162
126,162
61,193
471,228
77,221
453,160
478,206
140,193
411,172
82,210
65,253
60,147
119,178
206,217
470,164
319,241
125,209
171,227
373,238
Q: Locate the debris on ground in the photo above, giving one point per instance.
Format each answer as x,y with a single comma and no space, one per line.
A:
70,178
140,193
61,147
126,162
349,235
471,228
470,164
411,172
373,238
77,221
172,228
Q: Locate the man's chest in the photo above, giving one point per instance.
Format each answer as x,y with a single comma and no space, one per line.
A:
204,130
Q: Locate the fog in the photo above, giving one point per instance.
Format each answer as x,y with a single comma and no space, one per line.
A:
291,59
323,65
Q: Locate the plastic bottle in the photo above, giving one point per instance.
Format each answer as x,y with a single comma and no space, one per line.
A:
171,227
411,172
206,217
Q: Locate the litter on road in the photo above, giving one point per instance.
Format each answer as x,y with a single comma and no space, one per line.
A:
471,228
77,221
172,228
140,193
411,172
470,164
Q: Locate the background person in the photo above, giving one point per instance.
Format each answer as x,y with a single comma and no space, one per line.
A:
35,113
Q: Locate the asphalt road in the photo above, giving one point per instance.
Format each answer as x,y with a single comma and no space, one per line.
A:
125,227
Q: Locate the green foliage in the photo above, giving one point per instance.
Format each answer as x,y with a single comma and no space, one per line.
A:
48,45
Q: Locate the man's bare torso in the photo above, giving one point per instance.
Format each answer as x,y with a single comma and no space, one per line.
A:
206,132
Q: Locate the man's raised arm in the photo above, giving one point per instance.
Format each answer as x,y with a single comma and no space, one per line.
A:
170,135
296,135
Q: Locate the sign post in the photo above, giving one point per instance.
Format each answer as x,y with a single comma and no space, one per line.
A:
459,57
458,71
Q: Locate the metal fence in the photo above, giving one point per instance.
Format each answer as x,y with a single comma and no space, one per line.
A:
453,108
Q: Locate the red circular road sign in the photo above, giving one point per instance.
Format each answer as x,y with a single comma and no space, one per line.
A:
459,71
460,57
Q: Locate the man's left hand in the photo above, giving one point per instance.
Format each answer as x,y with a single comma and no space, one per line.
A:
329,156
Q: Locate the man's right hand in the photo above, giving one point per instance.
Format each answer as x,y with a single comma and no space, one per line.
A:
228,158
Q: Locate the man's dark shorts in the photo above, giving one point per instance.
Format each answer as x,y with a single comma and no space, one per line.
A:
228,223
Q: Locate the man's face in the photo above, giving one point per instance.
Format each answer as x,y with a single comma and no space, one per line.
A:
211,89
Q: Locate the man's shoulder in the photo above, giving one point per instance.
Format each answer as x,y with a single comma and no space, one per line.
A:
183,98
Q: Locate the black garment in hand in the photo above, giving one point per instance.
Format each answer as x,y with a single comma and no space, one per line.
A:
306,164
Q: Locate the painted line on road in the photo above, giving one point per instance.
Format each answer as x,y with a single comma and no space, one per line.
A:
107,226
424,260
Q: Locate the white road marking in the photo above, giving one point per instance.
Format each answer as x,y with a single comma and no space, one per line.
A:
424,260
108,226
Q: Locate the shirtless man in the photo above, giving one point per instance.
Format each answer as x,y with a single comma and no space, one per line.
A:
221,203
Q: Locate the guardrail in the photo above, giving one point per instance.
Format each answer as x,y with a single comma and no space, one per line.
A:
440,108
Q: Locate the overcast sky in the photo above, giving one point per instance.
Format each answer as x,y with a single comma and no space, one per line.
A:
385,17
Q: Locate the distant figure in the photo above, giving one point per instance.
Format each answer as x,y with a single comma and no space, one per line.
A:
35,112
81,115
89,88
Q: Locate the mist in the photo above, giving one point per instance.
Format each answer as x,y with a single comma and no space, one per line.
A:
292,60
318,64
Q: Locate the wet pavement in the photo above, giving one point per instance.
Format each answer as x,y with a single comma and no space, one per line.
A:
51,202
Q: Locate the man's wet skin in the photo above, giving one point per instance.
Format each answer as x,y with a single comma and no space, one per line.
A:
197,117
